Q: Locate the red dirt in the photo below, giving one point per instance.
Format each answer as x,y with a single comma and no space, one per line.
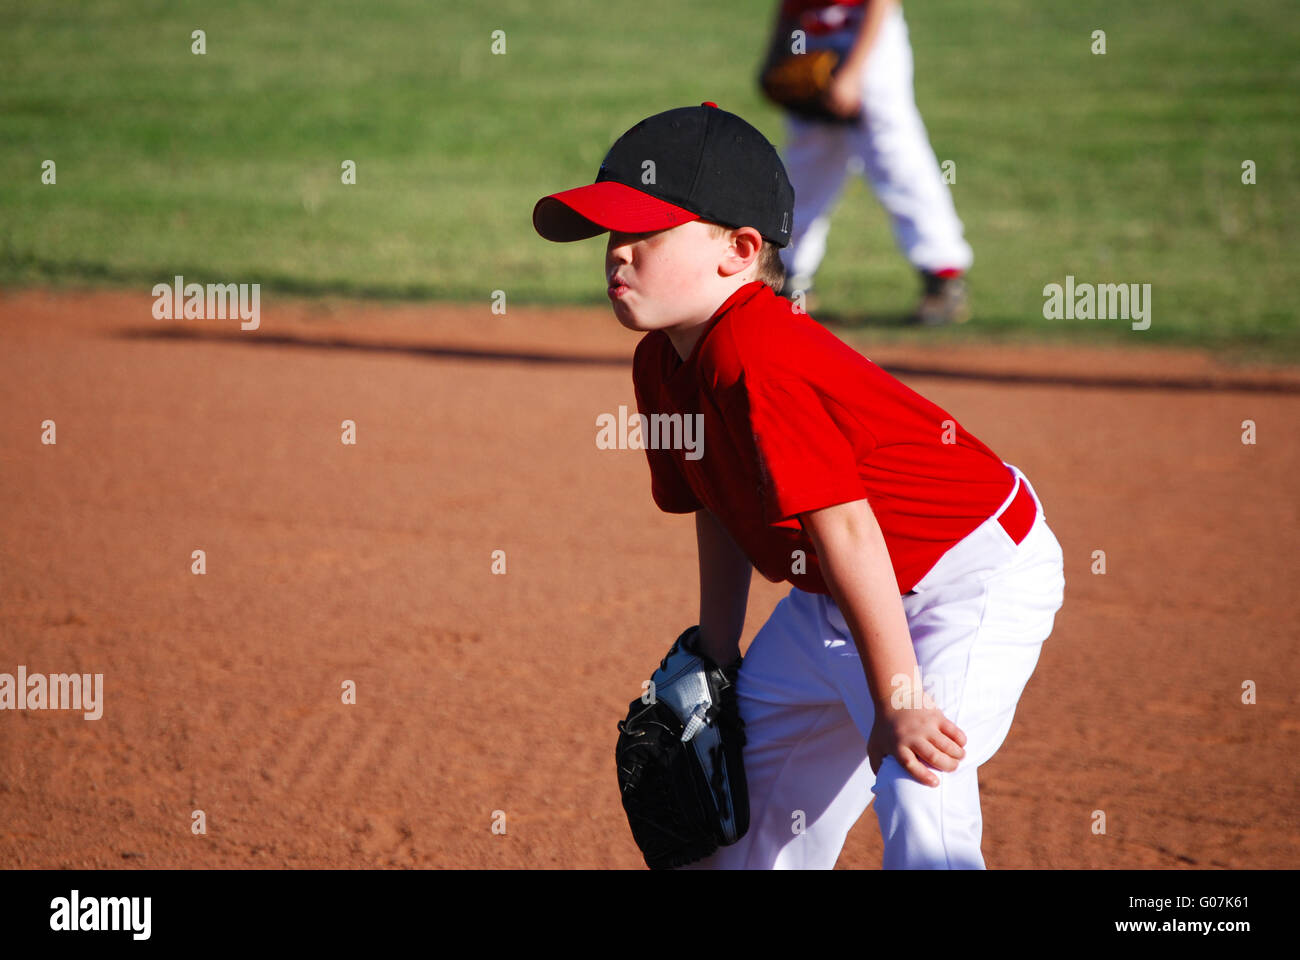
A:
478,692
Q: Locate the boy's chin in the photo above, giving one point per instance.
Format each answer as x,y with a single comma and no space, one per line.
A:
628,319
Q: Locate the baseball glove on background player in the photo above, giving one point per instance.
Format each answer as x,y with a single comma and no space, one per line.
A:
798,81
679,751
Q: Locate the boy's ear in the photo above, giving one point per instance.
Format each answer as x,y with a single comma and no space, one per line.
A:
742,251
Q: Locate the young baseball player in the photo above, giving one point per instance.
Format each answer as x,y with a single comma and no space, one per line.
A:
887,142
924,575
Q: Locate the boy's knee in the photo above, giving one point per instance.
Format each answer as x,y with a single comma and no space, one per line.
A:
928,828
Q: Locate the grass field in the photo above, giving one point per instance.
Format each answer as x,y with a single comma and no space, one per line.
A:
1119,168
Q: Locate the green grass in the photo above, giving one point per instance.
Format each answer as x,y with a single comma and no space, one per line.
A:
1117,168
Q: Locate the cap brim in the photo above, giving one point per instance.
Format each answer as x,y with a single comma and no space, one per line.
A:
587,211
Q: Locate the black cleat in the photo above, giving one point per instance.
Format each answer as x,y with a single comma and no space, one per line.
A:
943,301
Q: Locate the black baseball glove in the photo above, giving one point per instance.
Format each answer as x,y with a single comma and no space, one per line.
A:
679,756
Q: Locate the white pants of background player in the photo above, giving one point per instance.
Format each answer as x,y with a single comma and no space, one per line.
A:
978,620
892,150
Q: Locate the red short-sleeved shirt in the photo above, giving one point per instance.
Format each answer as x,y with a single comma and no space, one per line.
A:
793,8
795,420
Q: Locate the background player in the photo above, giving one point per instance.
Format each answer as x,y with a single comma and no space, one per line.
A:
925,577
887,142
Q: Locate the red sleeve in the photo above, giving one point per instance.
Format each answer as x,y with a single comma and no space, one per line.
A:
667,485
670,492
807,461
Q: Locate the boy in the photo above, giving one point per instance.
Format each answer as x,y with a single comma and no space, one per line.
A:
884,137
924,576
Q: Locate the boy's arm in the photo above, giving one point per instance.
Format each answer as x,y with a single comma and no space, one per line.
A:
844,96
856,567
725,573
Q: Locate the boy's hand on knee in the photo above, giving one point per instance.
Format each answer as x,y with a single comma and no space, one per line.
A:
919,738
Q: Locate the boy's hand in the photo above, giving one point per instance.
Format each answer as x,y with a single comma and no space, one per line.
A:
844,95
915,737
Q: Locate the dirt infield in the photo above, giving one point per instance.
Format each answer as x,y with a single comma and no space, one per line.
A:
478,693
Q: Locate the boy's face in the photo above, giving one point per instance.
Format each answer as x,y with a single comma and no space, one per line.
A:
666,279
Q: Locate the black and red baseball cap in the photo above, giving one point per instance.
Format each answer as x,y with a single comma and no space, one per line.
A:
691,163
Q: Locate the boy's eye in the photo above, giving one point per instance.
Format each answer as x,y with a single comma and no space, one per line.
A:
622,238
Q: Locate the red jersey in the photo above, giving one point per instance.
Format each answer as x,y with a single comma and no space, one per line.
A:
823,17
793,8
796,420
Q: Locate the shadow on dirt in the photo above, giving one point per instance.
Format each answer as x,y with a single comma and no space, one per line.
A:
485,354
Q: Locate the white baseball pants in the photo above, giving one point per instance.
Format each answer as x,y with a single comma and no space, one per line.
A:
892,150
978,620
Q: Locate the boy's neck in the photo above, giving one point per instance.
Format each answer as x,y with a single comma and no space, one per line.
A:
685,337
